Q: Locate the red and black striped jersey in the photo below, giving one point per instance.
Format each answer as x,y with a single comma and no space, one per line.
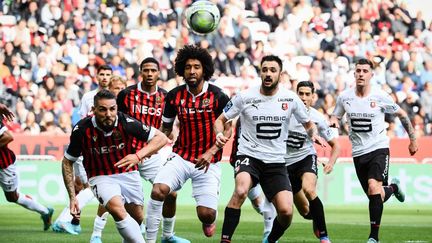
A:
7,156
143,106
196,115
100,149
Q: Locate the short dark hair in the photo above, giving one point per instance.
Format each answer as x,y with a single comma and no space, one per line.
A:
364,61
148,60
308,84
271,58
103,94
194,52
104,67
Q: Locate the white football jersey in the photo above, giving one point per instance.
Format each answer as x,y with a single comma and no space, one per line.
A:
299,145
86,105
365,117
264,122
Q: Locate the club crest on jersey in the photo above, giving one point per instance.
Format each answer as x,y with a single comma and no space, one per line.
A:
158,100
372,104
116,135
284,106
206,102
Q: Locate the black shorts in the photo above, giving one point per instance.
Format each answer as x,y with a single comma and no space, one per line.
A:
373,165
296,171
272,177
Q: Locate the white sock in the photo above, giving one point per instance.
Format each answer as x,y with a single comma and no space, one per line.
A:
31,204
168,227
129,230
83,197
99,224
64,216
269,213
154,215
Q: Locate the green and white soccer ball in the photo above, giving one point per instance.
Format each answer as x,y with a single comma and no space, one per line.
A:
202,17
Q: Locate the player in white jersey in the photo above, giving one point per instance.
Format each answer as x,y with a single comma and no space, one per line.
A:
365,109
264,115
65,222
301,160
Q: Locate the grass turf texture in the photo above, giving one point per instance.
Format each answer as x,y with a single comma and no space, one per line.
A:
345,224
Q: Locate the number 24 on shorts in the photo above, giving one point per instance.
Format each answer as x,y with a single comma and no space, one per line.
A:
239,162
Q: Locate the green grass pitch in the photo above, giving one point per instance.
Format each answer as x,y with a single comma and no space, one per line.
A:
345,224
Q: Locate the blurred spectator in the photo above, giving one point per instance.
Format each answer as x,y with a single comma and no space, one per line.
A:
30,126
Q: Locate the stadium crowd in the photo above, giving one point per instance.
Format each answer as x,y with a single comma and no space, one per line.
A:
50,51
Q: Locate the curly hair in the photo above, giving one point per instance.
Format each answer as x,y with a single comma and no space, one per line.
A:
194,52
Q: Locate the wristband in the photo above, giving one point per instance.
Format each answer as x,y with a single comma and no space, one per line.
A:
138,157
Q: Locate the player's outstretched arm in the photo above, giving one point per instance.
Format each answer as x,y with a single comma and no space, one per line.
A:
5,138
312,131
68,174
222,129
406,123
334,154
6,113
157,142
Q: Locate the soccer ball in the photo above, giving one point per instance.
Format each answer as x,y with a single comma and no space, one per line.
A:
203,17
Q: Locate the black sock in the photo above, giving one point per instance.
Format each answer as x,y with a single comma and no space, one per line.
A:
388,191
317,211
308,216
277,231
231,220
75,221
375,212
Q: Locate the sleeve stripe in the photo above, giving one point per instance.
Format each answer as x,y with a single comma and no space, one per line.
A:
70,157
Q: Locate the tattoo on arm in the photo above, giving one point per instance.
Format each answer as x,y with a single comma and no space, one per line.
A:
406,123
68,175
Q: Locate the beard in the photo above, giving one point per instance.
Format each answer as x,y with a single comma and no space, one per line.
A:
194,84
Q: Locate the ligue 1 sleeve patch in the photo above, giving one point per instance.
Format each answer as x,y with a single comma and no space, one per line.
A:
228,106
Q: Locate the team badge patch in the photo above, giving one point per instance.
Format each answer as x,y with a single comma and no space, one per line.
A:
284,106
158,100
117,135
372,104
206,102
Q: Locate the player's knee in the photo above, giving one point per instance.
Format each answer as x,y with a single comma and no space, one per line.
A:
11,196
310,193
241,193
374,188
206,215
171,198
159,192
285,212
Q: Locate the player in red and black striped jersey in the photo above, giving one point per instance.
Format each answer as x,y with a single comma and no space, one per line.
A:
110,160
145,102
196,105
9,174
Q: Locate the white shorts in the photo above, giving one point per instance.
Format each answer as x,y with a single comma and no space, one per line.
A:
149,168
9,178
205,186
79,170
127,185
